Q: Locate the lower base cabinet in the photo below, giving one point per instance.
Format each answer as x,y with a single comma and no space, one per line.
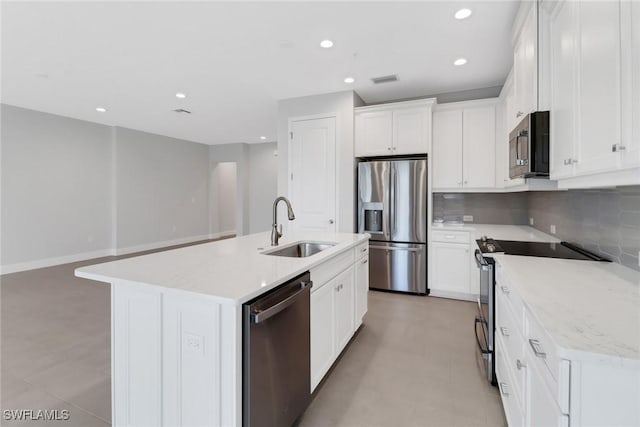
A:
338,303
453,270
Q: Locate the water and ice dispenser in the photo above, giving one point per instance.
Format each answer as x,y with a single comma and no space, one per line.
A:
372,217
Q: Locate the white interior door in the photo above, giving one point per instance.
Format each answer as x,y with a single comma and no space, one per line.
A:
312,174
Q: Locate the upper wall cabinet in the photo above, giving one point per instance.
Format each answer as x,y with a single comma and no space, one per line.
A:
464,137
393,129
525,65
593,75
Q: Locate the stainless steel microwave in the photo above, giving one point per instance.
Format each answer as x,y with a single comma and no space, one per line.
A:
529,147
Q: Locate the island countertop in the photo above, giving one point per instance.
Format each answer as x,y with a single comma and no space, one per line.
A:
230,271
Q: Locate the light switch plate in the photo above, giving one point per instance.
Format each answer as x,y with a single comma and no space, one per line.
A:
552,228
467,218
531,221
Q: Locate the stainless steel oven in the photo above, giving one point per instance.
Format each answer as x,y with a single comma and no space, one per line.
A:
485,320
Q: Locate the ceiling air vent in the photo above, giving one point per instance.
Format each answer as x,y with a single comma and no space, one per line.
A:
182,110
385,79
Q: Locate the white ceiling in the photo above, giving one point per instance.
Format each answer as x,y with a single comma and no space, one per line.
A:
236,60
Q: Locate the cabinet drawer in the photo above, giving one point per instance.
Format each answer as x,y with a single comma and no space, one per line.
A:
361,250
542,353
510,342
512,407
330,269
510,297
450,236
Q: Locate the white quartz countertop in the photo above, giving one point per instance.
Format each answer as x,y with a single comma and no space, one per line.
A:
230,271
500,232
586,306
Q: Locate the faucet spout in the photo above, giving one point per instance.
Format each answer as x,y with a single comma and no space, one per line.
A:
275,233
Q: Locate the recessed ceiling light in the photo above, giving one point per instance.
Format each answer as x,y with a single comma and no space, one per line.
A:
463,14
263,138
326,44
349,80
181,95
101,109
459,61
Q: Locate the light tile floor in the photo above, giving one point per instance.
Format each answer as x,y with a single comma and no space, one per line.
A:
413,363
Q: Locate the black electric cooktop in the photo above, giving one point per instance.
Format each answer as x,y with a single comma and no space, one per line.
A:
539,249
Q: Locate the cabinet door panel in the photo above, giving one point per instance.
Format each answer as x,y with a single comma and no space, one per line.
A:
543,411
410,130
451,267
344,306
478,147
322,332
362,289
447,149
525,62
563,89
374,133
599,94
630,157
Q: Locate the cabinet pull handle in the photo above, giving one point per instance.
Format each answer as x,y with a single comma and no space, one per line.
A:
520,365
618,147
505,290
388,148
364,250
502,387
365,261
504,331
537,348
520,113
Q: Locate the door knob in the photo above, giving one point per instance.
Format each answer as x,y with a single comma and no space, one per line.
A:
330,221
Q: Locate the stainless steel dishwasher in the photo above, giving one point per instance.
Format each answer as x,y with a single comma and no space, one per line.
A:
275,355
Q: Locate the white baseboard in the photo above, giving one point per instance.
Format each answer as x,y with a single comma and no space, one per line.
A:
50,262
158,245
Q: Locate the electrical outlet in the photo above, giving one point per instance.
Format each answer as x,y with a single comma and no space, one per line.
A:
193,342
467,218
531,221
552,228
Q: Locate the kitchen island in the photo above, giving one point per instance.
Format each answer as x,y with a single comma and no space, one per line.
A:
176,321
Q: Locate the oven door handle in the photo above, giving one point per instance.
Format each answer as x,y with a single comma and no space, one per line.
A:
482,265
485,351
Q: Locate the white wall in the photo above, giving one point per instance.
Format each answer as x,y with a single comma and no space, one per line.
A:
162,190
238,153
225,179
263,179
342,104
56,188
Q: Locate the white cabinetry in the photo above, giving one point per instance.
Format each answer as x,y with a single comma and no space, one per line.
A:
504,124
464,137
452,268
543,384
525,64
593,85
362,282
338,303
393,129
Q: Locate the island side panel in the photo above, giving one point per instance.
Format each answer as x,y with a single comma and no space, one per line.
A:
176,358
136,349
191,361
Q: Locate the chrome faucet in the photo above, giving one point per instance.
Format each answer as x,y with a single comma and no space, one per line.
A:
275,234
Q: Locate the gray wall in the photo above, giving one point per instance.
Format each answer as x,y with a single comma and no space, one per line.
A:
56,186
263,166
162,189
604,221
486,208
341,103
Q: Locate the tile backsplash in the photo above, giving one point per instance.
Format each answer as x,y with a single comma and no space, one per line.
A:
486,208
603,221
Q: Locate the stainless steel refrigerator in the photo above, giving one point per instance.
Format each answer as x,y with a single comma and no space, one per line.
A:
392,207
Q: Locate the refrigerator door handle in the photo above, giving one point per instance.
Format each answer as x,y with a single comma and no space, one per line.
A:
394,207
393,248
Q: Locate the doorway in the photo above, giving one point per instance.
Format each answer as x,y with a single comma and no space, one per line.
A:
224,199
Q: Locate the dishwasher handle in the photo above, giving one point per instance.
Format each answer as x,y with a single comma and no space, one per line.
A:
262,315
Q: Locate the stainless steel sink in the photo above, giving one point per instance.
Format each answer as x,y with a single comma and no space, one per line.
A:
300,249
